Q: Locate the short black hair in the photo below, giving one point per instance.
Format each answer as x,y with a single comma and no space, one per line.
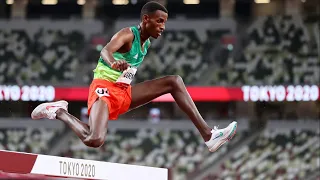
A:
152,7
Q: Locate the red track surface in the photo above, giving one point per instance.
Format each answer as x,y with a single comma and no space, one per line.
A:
21,176
5,175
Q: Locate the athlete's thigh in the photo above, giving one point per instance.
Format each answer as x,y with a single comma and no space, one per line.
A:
98,119
146,91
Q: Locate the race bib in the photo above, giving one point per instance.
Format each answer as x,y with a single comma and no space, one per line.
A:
127,76
102,92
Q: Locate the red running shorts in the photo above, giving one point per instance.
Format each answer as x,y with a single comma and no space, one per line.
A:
117,98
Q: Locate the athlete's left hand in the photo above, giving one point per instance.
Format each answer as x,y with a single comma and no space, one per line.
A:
120,65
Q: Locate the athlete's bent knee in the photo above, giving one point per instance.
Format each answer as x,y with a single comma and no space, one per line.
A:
176,80
94,142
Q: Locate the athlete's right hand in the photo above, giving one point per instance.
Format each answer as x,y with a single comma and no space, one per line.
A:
120,65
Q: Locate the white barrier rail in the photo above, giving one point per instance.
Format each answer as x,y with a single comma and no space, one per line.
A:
26,163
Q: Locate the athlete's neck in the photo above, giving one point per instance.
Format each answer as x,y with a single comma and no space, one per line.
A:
143,33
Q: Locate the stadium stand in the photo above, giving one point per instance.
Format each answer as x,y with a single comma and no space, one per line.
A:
47,52
27,139
282,47
280,50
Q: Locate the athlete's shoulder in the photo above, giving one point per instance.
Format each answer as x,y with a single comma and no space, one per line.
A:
124,34
126,30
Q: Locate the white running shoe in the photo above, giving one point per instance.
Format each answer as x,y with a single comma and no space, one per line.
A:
221,136
48,110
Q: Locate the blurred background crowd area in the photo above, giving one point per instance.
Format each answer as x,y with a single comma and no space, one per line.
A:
254,61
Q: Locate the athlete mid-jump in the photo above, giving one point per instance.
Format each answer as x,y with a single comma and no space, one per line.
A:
111,94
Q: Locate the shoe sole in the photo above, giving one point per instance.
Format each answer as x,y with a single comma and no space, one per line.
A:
44,105
233,132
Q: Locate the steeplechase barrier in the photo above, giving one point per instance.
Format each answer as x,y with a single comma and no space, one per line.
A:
53,166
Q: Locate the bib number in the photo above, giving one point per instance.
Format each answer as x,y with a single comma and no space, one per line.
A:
127,76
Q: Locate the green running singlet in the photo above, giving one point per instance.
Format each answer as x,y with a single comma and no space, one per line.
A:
134,57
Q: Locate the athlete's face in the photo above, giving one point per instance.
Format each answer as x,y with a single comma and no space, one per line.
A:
155,23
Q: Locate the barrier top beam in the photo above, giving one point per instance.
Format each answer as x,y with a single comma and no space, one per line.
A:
25,163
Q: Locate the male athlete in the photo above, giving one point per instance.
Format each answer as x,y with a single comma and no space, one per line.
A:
111,94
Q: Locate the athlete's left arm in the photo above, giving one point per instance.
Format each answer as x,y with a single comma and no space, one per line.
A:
124,36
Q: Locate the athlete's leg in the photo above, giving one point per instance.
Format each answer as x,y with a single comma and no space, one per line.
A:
93,135
144,92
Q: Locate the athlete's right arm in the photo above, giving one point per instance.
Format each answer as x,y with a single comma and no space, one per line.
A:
121,38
